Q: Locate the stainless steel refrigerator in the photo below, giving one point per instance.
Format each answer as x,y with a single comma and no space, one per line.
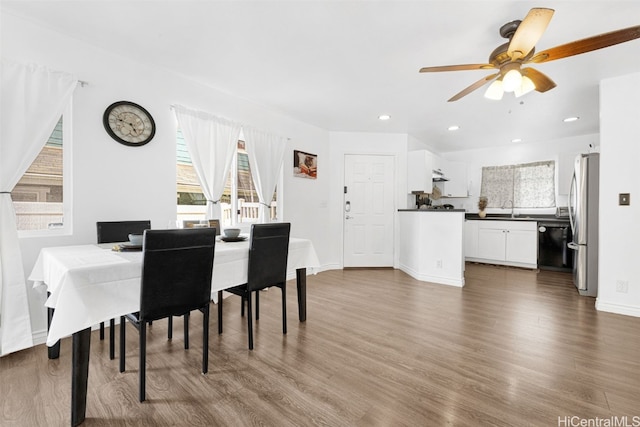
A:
583,213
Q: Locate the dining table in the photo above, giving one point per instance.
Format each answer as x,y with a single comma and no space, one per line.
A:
92,283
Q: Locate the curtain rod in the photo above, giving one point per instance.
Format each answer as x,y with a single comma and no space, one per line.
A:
173,107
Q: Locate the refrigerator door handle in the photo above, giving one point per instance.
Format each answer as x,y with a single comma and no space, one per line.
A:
573,245
572,188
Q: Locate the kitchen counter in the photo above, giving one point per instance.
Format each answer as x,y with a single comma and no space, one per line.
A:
432,210
523,217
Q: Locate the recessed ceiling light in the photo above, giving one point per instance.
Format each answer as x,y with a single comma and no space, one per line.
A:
571,119
454,127
516,140
384,117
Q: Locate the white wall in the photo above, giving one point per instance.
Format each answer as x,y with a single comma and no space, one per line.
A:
414,144
343,143
563,151
113,182
619,225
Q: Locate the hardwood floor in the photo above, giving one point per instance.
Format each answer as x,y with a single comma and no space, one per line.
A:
512,348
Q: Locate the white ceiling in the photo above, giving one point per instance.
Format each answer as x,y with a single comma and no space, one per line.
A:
340,64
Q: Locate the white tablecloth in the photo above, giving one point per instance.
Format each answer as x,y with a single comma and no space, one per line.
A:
90,284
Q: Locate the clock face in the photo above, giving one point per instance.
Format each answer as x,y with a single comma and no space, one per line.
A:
129,123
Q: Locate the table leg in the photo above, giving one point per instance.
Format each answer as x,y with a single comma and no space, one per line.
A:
301,283
54,350
80,375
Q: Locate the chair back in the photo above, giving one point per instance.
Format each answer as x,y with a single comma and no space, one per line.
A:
118,231
177,266
268,252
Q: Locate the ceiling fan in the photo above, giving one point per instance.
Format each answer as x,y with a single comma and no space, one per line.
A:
510,57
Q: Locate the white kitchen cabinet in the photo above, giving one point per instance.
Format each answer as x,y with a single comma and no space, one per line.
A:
505,242
437,163
456,172
419,170
522,245
471,238
565,171
492,243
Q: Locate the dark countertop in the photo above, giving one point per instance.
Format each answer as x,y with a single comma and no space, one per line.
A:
523,217
432,210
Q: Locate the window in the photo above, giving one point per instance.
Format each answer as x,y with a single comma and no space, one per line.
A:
530,185
239,201
41,198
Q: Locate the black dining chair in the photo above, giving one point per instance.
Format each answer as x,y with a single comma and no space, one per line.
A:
113,232
177,267
268,252
190,224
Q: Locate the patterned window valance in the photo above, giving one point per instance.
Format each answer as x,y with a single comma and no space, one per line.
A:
529,185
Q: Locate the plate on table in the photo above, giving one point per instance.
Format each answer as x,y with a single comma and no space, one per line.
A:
127,246
233,239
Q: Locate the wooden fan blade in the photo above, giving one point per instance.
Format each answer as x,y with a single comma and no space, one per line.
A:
587,45
541,81
529,32
461,67
483,81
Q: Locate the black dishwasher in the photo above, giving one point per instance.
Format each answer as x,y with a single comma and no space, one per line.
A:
553,253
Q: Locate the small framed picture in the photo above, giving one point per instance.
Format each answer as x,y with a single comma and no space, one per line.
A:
305,165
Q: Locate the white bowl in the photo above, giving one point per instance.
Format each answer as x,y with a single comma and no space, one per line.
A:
135,239
231,232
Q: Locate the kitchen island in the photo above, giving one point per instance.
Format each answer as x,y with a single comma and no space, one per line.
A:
432,245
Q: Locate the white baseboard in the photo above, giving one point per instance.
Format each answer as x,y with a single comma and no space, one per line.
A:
627,310
433,279
39,337
311,271
507,263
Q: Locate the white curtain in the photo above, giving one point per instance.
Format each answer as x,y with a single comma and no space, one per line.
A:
211,142
266,155
33,99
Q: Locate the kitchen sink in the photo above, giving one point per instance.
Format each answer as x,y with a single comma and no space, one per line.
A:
509,218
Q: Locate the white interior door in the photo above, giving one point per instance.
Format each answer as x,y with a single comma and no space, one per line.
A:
368,211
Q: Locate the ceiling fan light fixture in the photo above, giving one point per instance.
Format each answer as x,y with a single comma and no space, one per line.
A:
494,91
511,80
526,87
520,50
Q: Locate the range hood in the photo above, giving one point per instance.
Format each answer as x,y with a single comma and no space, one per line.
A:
438,176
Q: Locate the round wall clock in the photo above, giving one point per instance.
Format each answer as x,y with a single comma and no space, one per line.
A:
129,123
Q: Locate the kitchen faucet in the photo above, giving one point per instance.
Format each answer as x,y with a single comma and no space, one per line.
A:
513,215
